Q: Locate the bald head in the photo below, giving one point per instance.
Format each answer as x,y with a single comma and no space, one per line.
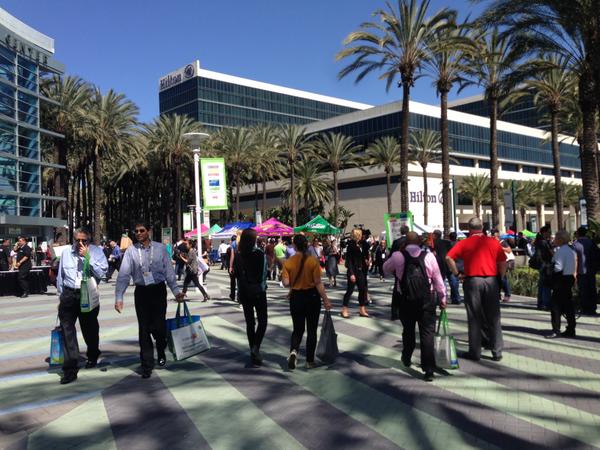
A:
475,224
412,238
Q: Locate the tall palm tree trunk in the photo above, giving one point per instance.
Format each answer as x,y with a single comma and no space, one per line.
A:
60,182
83,220
388,186
71,206
493,103
445,143
478,209
556,160
292,191
98,216
264,198
425,197
336,198
404,206
237,196
255,197
589,149
178,217
540,219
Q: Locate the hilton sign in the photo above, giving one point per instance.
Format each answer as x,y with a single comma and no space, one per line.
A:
26,49
179,76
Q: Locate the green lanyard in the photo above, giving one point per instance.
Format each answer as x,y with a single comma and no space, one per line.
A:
86,267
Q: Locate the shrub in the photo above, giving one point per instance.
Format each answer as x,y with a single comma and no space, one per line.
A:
524,281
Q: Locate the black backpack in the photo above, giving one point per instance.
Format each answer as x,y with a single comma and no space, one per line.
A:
415,288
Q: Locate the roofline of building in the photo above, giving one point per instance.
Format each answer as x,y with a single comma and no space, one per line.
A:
466,100
431,111
26,32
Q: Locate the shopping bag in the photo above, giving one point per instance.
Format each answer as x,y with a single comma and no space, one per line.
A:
327,348
179,321
90,295
445,345
189,338
202,266
57,351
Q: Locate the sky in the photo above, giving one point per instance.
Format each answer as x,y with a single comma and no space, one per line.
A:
128,45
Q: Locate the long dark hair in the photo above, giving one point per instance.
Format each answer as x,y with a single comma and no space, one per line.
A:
247,242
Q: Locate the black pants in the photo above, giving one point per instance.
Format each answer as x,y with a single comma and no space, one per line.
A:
232,282
361,283
224,261
204,275
69,310
410,316
191,277
562,302
151,310
255,332
22,278
112,266
305,307
588,295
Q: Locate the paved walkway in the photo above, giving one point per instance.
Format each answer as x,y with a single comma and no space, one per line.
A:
544,394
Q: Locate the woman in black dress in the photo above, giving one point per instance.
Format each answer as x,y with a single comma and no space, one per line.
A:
357,274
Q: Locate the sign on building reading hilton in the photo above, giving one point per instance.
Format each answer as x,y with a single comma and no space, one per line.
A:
179,76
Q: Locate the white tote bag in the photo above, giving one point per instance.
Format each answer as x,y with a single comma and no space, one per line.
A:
202,266
92,300
189,340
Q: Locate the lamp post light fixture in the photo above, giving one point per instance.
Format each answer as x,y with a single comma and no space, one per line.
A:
195,139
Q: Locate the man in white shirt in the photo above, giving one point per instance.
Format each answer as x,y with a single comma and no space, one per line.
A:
565,268
223,254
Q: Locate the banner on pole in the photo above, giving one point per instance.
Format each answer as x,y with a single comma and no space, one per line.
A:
393,223
187,222
214,187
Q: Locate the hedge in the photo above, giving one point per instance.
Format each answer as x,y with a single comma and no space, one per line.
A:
524,281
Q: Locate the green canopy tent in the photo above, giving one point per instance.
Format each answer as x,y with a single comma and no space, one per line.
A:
214,229
528,234
318,225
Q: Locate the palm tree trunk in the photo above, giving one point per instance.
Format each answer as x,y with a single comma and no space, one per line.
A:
292,192
71,206
540,219
404,206
446,200
336,198
60,178
98,216
77,217
558,197
523,213
237,196
425,197
493,104
589,149
478,209
255,197
264,198
84,189
388,186
178,218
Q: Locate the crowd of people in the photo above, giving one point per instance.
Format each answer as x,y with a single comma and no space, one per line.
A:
423,267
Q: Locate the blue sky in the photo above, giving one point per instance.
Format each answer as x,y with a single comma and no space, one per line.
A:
128,45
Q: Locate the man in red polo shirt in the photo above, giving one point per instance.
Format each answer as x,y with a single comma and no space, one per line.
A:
485,263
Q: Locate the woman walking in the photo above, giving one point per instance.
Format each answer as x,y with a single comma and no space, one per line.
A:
357,274
250,270
332,254
190,259
302,274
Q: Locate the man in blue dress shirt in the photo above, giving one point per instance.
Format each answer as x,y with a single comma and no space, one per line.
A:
68,284
149,265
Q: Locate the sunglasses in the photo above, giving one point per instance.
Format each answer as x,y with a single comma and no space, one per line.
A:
83,241
140,230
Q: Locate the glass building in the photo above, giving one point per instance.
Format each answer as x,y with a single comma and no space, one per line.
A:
218,100
26,59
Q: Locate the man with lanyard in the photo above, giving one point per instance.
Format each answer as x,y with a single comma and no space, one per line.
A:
149,265
23,265
114,259
73,261
484,262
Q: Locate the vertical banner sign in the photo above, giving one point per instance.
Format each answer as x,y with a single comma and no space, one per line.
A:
206,218
187,221
393,223
214,188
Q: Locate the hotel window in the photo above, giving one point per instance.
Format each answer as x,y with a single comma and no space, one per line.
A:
530,169
577,175
8,204
28,143
7,100
483,164
29,178
29,207
7,138
547,171
509,167
28,109
7,64
8,174
565,173
27,74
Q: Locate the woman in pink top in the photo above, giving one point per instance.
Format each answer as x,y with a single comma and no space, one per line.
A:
420,310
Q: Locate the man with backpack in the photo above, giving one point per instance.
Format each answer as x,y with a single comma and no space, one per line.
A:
484,264
418,280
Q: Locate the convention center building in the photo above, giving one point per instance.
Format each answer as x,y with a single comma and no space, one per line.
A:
26,59
219,100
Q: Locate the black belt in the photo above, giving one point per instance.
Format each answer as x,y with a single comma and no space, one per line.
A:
71,289
149,285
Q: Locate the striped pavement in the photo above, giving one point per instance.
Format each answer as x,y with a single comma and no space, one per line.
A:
543,394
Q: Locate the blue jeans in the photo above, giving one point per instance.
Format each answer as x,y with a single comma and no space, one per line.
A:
505,286
544,292
454,285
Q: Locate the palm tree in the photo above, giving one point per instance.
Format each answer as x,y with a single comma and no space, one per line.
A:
569,29
384,152
445,64
168,146
398,46
571,195
72,94
477,187
266,163
237,145
551,87
292,144
110,126
337,152
311,186
425,148
541,193
491,66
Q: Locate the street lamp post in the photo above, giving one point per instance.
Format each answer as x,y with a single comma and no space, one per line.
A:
195,139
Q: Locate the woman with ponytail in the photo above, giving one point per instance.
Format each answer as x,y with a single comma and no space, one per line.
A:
302,274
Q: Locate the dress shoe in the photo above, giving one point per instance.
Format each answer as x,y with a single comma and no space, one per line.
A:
146,373
91,363
309,365
552,336
345,314
497,358
68,377
406,361
255,357
568,334
162,362
362,312
428,376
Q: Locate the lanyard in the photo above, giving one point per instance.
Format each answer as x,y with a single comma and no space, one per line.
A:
151,257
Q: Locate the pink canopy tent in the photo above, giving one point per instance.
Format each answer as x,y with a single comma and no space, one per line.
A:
273,227
194,232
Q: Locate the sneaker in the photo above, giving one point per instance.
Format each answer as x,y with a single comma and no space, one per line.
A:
568,333
68,377
281,284
497,358
428,377
292,359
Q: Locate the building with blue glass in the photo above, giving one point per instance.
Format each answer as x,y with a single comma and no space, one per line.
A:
218,100
26,59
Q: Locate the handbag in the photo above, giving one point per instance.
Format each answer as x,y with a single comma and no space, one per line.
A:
327,348
89,293
57,349
445,345
189,337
